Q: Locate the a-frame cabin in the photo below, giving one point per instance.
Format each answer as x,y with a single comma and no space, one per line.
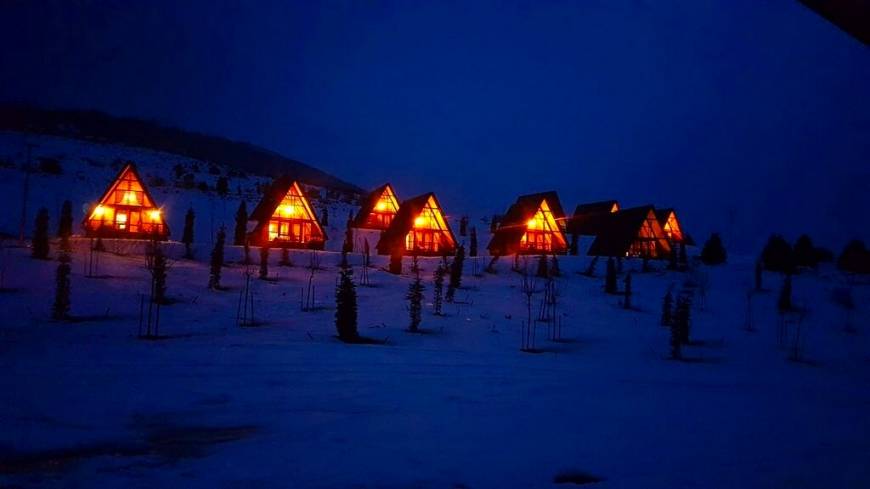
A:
634,232
672,228
284,219
378,210
126,210
588,218
419,227
534,224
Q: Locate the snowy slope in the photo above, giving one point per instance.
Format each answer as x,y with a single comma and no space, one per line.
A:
86,404
88,168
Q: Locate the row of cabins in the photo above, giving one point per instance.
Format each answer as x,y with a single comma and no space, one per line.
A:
534,224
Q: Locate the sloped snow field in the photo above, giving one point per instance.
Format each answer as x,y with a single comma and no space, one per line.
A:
285,404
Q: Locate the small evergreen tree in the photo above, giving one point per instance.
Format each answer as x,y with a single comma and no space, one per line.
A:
554,267
627,302
672,261
543,269
610,279
855,258
159,274
438,289
60,308
456,273
667,309
682,320
805,252
684,259
415,300
713,252
346,307
759,274
472,245
65,223
463,226
324,216
285,258
347,246
676,333
40,235
187,235
784,304
396,259
240,236
217,260
222,186
777,255
264,262
574,248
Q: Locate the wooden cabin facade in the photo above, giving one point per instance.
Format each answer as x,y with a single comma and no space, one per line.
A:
285,219
126,210
634,232
534,224
378,210
419,227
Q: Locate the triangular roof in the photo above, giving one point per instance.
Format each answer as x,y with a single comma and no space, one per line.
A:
402,224
513,225
620,230
129,167
664,215
273,197
588,218
371,200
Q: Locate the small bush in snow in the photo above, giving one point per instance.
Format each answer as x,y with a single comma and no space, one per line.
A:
713,252
346,307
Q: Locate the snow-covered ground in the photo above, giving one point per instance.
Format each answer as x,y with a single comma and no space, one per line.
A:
284,404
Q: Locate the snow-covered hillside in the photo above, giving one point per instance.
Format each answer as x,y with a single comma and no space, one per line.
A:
88,168
284,404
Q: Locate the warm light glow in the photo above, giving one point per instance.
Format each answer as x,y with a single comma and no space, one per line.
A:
130,198
287,210
155,214
99,211
380,206
531,223
420,221
122,218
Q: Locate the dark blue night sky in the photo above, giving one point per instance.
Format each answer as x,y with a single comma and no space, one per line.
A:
750,116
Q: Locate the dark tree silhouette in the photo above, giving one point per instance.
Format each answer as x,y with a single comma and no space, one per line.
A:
684,258
713,252
65,224
240,236
805,252
187,235
463,226
554,267
682,319
573,249
415,300
667,309
347,245
472,245
456,272
855,258
396,259
777,255
222,186
264,262
346,307
60,308
676,332
40,235
217,260
438,289
672,261
610,279
543,269
324,216
159,274
626,303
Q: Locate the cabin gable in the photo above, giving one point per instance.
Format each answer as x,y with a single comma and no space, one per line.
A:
126,210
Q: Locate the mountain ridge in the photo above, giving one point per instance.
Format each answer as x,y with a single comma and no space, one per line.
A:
94,125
